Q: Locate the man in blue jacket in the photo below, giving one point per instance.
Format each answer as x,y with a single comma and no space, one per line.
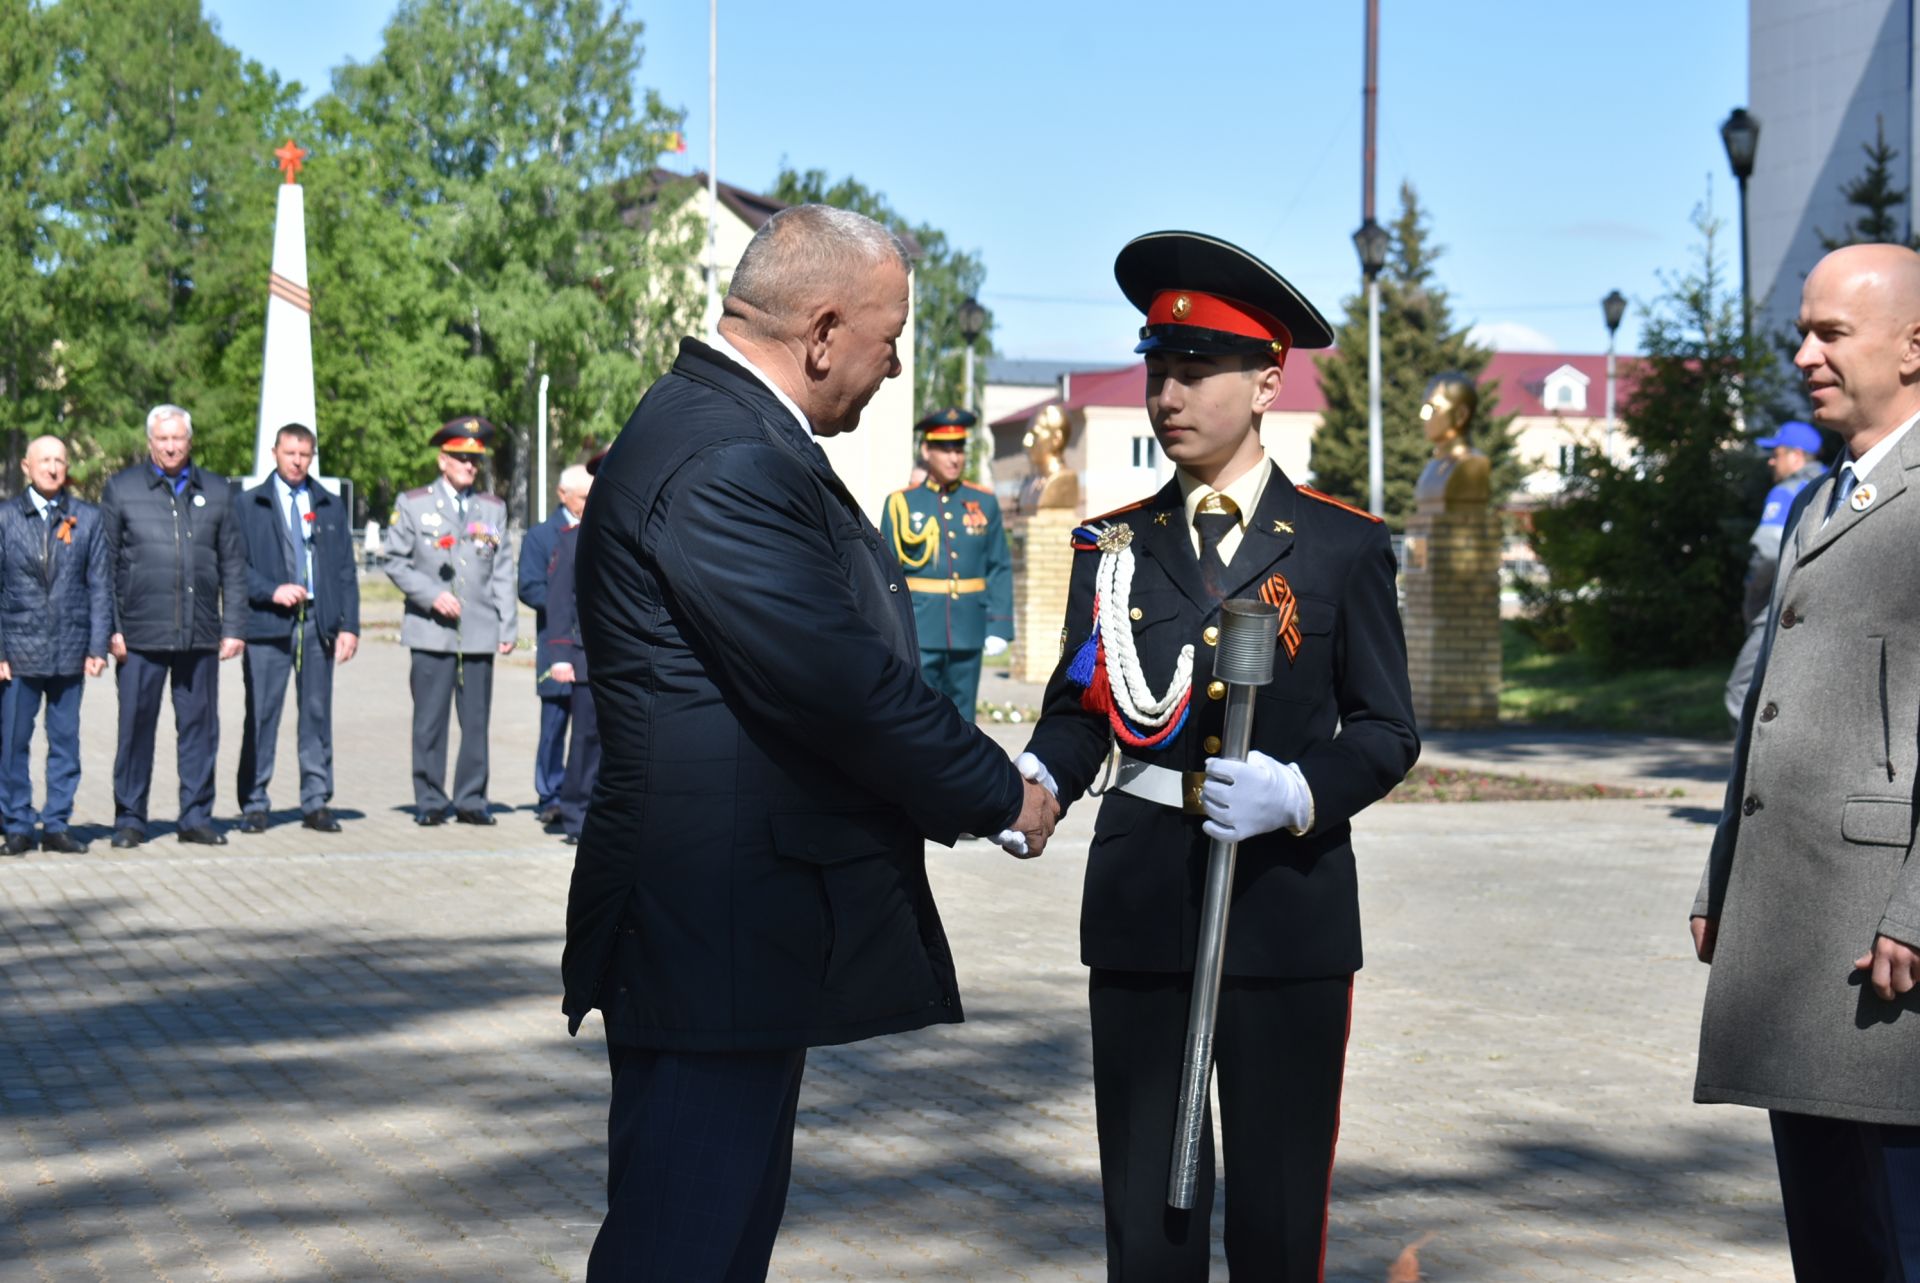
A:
751,878
536,559
56,611
303,614
179,609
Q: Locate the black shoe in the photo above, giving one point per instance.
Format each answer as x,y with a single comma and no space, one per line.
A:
321,820
475,817
253,822
19,843
127,838
202,837
571,840
59,840
427,819
549,815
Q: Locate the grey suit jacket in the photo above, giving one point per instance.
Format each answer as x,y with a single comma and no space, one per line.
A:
1813,854
430,551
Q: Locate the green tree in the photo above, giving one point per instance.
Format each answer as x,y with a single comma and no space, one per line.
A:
1645,559
498,133
1873,194
29,375
944,277
161,243
1418,339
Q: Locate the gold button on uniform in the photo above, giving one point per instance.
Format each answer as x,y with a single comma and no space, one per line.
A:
1211,744
1216,690
1211,636
1135,614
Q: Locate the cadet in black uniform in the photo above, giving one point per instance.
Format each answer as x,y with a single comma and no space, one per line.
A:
1333,733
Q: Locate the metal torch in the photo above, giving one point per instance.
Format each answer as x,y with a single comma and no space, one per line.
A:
1244,661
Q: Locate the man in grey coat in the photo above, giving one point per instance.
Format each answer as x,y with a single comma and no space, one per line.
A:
1809,909
449,552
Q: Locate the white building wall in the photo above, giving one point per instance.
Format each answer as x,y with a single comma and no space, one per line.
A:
1818,75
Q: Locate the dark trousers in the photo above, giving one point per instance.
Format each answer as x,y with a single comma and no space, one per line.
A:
550,758
1279,1051
19,704
955,674
699,1154
441,682
1852,1197
266,666
141,677
583,760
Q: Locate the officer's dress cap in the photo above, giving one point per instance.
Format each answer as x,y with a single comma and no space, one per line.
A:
1204,295
468,434
950,424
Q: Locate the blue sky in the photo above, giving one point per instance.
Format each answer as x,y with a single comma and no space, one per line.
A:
1559,149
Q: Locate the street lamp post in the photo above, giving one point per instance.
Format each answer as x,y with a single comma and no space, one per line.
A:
1740,132
1613,307
973,323
1371,241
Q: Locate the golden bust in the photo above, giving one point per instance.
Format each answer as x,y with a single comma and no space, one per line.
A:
1048,484
1457,475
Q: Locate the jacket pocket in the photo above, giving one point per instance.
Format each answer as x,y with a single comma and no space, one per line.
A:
1877,821
1307,678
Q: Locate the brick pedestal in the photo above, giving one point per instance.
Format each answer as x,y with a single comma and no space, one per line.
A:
1452,580
1042,570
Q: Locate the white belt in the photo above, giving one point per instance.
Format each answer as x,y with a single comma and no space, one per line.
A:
1179,790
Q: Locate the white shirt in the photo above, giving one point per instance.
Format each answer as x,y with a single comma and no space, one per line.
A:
1864,464
571,520
738,357
40,504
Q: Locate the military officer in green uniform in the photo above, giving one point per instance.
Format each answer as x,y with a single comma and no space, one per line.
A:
448,551
948,537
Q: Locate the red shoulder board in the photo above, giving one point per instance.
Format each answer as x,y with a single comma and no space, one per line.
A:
975,485
1311,493
1138,503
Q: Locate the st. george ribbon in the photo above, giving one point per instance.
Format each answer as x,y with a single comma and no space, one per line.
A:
1244,661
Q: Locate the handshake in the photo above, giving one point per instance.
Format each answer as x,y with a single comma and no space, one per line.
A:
1039,811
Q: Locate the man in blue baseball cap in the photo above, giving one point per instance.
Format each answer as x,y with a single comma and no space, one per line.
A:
1793,456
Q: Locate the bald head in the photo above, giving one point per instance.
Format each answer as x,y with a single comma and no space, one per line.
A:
1860,342
45,465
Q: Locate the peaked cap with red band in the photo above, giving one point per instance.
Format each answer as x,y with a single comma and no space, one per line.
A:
950,424
468,434
1204,295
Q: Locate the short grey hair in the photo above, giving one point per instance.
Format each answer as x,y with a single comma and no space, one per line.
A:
160,412
805,252
574,478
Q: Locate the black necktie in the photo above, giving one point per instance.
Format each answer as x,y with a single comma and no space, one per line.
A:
1217,515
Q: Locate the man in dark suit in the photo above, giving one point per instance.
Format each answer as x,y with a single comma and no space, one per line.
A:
56,612
1331,734
305,615
751,877
562,660
536,560
180,608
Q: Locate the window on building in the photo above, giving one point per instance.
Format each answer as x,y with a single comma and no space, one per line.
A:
1570,456
1146,452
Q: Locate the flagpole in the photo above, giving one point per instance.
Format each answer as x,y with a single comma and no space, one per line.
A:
713,163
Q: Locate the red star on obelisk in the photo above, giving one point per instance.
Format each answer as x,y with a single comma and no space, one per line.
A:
290,156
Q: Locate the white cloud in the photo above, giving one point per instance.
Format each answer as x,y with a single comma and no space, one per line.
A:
1511,336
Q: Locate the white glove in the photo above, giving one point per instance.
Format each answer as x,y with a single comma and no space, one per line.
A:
1245,799
996,647
1013,841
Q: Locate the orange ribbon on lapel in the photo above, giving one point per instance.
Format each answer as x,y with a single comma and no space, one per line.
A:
1278,593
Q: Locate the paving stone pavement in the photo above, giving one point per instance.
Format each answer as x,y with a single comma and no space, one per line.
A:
309,1057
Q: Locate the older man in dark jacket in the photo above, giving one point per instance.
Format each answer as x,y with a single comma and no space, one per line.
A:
180,606
56,610
304,614
751,877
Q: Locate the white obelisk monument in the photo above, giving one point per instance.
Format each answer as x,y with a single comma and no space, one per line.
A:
286,378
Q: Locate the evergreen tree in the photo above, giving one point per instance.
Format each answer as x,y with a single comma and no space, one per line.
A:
1875,196
1418,340
943,278
29,375
1645,559
499,133
161,243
